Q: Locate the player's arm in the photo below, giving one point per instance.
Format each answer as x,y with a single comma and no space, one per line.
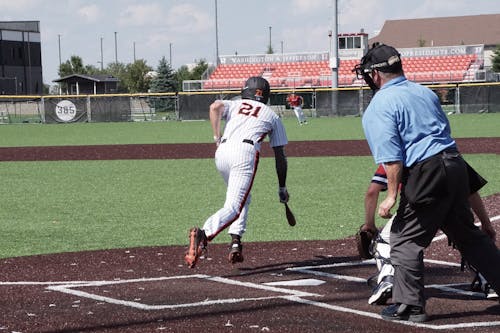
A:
394,172
215,113
371,200
281,170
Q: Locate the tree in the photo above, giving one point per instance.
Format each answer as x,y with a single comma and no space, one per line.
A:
200,69
196,73
165,80
118,70
72,66
495,60
135,78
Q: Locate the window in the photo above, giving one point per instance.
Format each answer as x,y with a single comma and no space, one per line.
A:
352,42
342,42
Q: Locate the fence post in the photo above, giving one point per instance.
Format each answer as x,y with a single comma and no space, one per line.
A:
457,100
361,101
89,111
42,110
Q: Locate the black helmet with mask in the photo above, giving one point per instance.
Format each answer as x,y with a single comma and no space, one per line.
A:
381,57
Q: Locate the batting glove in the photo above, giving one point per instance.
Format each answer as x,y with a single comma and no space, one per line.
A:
283,194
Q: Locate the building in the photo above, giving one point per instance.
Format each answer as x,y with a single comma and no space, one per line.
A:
20,58
443,31
82,84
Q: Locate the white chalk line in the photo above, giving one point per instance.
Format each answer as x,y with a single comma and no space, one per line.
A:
450,288
443,236
69,289
290,294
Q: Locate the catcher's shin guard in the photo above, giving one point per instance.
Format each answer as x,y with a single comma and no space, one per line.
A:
197,245
382,253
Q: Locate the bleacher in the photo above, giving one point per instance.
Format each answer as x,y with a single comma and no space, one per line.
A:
424,69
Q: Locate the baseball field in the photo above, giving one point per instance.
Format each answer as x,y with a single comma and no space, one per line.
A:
94,223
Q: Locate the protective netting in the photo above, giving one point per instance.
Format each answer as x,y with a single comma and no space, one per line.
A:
466,98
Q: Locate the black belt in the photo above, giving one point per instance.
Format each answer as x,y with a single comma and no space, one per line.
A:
244,140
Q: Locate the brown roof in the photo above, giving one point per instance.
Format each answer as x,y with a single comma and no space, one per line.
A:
441,31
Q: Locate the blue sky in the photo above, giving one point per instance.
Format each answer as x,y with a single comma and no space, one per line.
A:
189,25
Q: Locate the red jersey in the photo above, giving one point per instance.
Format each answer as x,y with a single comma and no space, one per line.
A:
294,100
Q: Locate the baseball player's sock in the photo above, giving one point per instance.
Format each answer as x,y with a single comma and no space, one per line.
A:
197,245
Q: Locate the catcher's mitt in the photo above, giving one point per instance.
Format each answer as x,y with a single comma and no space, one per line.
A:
363,240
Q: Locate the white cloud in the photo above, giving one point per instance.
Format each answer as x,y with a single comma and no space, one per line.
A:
188,19
19,5
142,15
304,6
90,13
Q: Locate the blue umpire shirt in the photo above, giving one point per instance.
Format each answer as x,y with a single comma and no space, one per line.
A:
404,122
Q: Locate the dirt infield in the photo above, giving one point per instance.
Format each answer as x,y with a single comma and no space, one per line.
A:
308,286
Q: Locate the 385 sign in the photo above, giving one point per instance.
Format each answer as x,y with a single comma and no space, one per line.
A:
65,110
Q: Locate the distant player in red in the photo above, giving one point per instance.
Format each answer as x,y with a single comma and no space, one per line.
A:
296,102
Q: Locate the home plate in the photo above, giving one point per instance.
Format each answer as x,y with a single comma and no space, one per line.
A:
301,282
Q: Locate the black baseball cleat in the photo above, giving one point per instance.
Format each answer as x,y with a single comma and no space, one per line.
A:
235,252
404,312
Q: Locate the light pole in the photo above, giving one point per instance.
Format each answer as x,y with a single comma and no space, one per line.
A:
102,60
270,44
334,57
59,44
116,50
216,37
134,51
170,54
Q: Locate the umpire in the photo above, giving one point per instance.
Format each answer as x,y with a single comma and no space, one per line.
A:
409,133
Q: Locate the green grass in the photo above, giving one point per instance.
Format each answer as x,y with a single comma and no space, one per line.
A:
50,207
17,135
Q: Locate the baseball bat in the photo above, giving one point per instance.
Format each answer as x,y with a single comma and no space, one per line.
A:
289,216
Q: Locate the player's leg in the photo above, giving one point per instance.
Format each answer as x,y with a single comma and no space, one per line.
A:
236,231
297,115
243,167
302,117
381,252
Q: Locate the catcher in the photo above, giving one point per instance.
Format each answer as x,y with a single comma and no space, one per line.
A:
374,244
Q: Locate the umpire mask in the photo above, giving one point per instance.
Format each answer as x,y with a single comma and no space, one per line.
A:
381,57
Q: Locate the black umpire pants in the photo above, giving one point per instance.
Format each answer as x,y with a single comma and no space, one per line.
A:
434,196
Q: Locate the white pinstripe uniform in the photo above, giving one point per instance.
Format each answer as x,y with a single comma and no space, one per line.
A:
248,122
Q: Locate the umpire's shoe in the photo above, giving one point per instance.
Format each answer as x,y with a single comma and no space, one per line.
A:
235,252
197,245
383,291
404,312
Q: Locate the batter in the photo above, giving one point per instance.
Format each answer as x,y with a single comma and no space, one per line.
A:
248,121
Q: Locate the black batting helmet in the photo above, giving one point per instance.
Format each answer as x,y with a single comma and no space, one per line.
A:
256,88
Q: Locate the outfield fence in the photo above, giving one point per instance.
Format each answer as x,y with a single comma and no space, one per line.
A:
321,102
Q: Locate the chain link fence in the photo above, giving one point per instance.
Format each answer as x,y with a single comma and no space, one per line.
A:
324,102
